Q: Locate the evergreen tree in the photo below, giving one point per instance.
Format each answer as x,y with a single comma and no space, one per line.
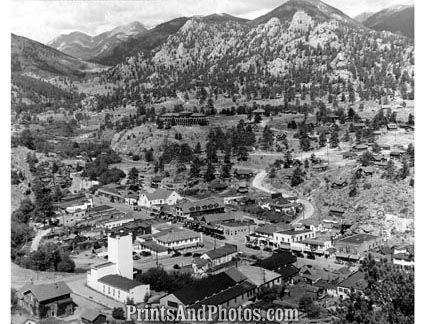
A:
297,177
209,173
334,140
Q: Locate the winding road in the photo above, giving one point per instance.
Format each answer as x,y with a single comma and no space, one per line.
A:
36,241
259,183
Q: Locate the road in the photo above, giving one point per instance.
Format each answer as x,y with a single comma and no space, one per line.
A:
259,183
36,241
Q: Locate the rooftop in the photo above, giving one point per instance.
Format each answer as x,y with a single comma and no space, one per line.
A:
356,281
257,275
222,251
204,288
276,261
119,282
201,205
158,194
358,238
46,291
175,236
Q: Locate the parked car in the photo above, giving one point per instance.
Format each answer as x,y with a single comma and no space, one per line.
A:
176,254
188,254
145,253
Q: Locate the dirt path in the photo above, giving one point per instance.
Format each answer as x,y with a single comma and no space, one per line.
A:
36,241
259,183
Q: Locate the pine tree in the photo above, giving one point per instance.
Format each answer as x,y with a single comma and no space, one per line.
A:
297,177
322,139
334,140
209,173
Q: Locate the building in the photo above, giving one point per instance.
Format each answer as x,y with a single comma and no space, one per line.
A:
260,277
356,245
116,220
263,235
115,277
235,229
93,317
158,197
177,239
318,245
47,300
277,261
243,173
221,256
336,211
285,239
219,289
190,209
70,218
184,119
75,203
356,282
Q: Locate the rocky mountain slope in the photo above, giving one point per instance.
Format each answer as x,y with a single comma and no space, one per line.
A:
29,56
85,47
398,19
317,51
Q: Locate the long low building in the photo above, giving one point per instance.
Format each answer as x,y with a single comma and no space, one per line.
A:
184,118
357,244
177,239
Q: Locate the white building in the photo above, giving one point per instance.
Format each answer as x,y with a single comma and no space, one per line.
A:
286,238
115,277
177,239
158,197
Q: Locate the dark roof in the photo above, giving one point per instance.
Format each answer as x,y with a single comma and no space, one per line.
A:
119,282
277,261
288,271
226,295
46,291
356,281
222,251
91,315
204,288
201,205
158,194
101,208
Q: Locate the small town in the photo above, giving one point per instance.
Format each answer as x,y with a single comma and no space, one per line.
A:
266,163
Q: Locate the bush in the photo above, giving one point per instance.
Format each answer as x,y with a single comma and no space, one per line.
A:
118,313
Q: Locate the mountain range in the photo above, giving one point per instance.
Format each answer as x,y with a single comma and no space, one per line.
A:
398,19
28,56
85,47
193,38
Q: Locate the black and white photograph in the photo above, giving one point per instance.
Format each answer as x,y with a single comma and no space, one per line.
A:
214,161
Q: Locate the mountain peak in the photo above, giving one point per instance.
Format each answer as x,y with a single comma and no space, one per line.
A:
316,9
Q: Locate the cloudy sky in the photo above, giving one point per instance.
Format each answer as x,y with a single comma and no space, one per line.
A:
44,20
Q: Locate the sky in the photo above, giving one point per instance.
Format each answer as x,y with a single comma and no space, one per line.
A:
45,20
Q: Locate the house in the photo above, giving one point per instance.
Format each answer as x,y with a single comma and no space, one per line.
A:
219,289
158,197
392,127
114,278
356,282
156,181
405,261
356,245
260,277
336,211
349,155
93,317
397,154
177,239
242,188
243,173
311,224
47,300
221,255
